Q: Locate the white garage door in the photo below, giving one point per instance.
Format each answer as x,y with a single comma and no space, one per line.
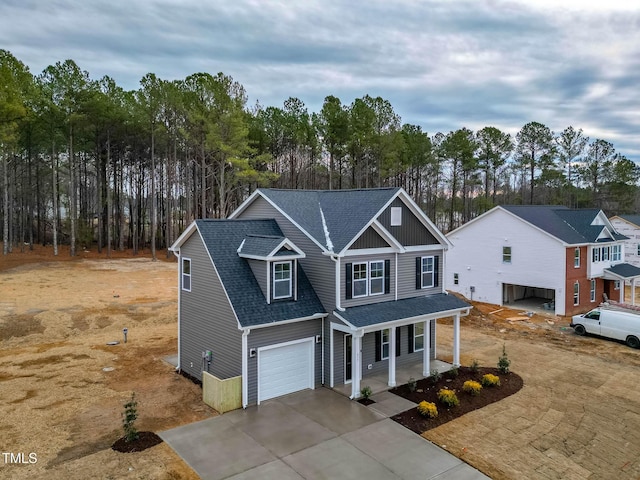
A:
285,368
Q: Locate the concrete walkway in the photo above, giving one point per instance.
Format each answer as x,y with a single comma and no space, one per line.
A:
313,434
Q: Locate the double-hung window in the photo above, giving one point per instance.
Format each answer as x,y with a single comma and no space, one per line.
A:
616,253
418,337
593,290
384,345
376,278
427,272
506,254
360,280
576,293
186,274
595,255
576,257
281,280
605,254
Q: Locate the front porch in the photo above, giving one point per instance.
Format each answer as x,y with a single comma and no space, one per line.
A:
379,382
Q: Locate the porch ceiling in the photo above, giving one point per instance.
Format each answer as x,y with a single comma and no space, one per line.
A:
377,314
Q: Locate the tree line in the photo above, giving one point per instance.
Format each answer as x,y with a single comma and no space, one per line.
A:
85,162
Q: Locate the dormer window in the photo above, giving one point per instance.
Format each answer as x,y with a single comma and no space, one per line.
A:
282,280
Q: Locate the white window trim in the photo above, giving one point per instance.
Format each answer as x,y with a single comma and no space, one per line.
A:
415,335
592,290
605,254
383,343
595,254
354,280
576,294
423,272
616,253
396,216
576,258
504,255
289,280
456,279
183,275
370,278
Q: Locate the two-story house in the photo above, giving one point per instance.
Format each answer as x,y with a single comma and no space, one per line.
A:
629,226
304,288
570,258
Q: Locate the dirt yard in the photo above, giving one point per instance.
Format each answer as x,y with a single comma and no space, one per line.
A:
62,387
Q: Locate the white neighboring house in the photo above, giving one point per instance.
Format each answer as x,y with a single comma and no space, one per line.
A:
629,225
567,258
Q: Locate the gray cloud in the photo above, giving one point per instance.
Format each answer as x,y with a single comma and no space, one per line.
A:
442,65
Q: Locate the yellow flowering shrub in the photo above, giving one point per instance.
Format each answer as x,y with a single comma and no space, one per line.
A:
448,397
472,387
490,380
427,409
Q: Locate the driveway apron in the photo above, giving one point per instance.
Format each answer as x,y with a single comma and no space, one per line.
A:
311,434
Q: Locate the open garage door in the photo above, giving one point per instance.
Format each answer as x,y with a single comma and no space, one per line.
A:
528,297
285,368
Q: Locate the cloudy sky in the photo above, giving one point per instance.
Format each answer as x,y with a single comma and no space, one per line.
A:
443,65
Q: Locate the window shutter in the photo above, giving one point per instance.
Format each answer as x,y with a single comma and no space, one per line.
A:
410,328
348,281
387,276
378,345
418,273
436,272
398,347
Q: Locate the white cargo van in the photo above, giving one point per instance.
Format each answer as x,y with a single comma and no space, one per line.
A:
609,323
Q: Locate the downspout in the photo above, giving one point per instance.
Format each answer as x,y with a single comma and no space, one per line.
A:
245,368
396,279
322,352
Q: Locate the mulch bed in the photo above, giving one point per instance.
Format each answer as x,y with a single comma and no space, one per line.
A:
145,440
427,390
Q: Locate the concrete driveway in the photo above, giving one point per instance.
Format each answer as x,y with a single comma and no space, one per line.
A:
313,434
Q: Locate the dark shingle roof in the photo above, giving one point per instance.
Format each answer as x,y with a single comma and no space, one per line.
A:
346,212
260,245
572,226
377,313
635,219
222,238
624,270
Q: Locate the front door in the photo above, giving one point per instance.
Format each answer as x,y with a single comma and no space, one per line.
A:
347,358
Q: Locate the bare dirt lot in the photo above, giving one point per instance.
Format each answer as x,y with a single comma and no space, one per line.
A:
578,415
63,388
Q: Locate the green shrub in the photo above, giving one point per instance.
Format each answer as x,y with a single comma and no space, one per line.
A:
453,373
490,380
448,397
366,392
435,375
128,419
412,384
472,387
427,409
503,361
475,366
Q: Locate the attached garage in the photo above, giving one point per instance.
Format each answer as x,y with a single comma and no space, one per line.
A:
285,368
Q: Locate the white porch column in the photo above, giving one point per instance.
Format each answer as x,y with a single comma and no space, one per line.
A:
456,340
622,286
392,357
633,291
426,352
356,362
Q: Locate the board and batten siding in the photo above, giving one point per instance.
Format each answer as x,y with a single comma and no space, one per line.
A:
319,268
263,337
369,239
412,231
207,321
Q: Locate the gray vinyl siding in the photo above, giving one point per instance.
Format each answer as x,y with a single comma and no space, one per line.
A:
369,239
319,268
369,353
259,269
385,297
407,274
262,337
412,231
207,321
